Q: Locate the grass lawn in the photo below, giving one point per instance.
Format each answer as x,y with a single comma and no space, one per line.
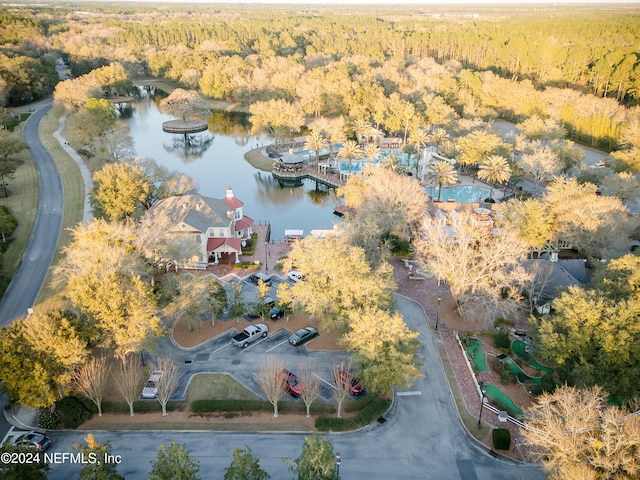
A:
23,203
219,386
73,187
258,160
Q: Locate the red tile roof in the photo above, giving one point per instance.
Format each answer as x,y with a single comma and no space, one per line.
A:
232,202
243,223
231,244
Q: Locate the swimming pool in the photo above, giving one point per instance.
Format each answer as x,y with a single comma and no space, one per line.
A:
460,193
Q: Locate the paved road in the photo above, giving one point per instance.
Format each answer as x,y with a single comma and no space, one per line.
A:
36,260
422,438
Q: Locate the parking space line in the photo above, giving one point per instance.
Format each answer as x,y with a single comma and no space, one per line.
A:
328,383
276,346
254,343
8,435
220,348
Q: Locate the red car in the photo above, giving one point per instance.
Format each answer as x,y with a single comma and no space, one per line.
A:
290,382
345,379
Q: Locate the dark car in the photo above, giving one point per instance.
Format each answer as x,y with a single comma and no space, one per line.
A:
303,335
256,277
290,382
346,379
32,439
275,313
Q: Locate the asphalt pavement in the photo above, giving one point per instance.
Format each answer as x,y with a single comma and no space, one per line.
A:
36,260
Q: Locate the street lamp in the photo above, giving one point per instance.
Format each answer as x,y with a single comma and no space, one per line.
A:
266,259
438,312
481,406
338,462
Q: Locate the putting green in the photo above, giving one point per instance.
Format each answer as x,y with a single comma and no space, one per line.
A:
515,368
520,348
479,359
498,395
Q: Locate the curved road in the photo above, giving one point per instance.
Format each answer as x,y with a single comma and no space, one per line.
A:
36,260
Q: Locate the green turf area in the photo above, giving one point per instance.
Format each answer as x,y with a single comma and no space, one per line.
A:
219,386
479,359
520,348
494,393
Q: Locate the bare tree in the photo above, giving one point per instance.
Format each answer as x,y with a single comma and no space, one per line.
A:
311,382
482,265
342,377
578,434
168,381
271,381
91,380
128,377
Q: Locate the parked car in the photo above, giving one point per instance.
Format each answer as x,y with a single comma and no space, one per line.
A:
150,389
303,335
250,335
275,313
269,301
36,440
295,276
256,277
347,379
290,382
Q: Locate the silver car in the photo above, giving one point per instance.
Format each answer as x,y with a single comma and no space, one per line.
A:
150,389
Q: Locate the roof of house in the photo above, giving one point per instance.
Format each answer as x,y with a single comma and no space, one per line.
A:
224,245
194,210
554,275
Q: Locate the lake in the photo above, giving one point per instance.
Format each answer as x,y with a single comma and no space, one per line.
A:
215,159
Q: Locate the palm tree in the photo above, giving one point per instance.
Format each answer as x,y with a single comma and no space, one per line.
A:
437,136
392,162
410,149
371,151
316,141
442,172
350,150
360,126
495,169
420,138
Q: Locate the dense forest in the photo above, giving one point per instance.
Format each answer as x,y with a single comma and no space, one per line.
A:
575,65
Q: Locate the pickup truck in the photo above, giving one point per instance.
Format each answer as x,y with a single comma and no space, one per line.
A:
250,335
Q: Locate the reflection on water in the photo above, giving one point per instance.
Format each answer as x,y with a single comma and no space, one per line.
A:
189,147
222,163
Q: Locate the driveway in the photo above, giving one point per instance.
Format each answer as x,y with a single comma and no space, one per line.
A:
36,260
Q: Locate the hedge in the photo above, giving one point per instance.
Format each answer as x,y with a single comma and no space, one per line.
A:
369,411
73,412
211,406
501,439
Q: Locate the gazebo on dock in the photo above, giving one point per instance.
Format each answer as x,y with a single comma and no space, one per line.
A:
289,162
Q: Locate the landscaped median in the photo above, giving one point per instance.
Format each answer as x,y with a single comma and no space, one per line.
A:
215,402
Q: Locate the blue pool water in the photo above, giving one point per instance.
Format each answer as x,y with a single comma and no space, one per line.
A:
460,193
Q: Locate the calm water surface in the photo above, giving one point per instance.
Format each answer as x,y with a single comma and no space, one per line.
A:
215,159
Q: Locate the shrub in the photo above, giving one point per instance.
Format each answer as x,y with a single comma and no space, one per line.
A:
507,376
369,409
251,243
142,406
48,419
547,384
501,439
489,200
73,412
501,340
503,321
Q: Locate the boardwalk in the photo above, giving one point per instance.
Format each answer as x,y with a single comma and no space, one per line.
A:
331,180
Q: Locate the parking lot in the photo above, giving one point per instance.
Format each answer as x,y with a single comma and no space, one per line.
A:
220,355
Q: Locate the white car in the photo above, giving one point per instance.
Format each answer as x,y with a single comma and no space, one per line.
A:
597,166
295,276
150,389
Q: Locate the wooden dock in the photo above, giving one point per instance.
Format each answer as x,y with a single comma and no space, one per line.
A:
296,177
